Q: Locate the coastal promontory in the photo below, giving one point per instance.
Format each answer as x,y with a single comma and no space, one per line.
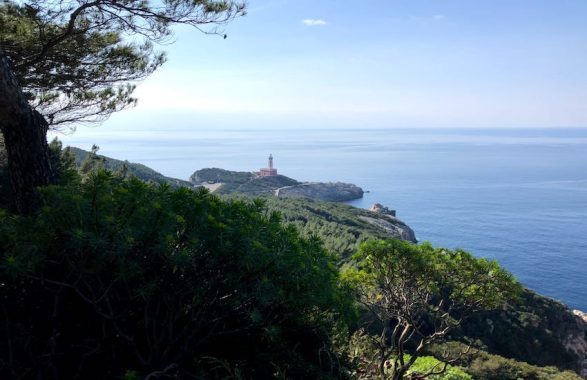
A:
222,181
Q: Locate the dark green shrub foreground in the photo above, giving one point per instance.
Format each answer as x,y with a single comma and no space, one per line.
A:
117,278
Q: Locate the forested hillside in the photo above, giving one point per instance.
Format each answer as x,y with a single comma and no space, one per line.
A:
111,270
140,171
133,227
338,225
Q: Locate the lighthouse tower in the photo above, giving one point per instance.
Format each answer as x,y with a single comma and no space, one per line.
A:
268,171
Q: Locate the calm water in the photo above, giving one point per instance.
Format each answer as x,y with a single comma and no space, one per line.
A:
519,196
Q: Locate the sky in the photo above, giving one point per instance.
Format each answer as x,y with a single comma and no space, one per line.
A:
375,64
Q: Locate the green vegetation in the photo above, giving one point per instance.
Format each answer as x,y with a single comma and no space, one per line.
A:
484,366
74,60
262,185
215,175
364,357
64,62
241,182
417,295
493,367
426,364
338,225
124,268
251,184
139,171
110,272
148,278
533,330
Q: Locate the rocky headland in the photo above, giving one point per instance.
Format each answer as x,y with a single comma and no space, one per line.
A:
325,191
385,219
225,182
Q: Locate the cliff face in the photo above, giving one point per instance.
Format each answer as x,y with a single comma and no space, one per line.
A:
393,226
384,218
331,191
576,341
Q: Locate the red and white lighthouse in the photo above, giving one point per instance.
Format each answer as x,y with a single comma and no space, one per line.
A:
268,171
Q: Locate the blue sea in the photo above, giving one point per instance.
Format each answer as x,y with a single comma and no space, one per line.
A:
515,195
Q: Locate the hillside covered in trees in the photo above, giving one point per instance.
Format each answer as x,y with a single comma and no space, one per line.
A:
109,236
110,270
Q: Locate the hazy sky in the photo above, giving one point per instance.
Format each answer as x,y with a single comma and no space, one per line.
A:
376,63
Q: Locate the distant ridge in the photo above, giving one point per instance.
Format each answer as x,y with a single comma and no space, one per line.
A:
140,171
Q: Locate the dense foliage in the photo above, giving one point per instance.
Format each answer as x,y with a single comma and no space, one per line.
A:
338,225
147,278
536,330
73,58
417,295
108,238
64,62
140,171
484,366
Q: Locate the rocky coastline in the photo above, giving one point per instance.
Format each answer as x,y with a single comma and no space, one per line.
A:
329,191
385,218
577,342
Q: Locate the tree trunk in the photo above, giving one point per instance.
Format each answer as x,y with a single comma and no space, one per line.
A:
25,138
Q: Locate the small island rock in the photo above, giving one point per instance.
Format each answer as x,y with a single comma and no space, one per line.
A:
381,209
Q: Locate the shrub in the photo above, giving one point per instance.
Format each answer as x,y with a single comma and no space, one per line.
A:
115,277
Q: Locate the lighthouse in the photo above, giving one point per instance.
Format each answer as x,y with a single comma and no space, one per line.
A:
269,171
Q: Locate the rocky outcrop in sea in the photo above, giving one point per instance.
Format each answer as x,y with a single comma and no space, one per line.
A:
385,218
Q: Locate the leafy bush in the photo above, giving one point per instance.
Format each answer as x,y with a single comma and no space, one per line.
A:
83,160
484,366
416,295
116,277
362,351
533,330
425,364
493,367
